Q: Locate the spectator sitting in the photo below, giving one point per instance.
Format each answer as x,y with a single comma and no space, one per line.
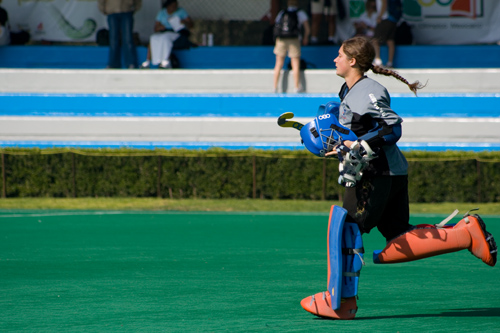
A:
7,36
366,23
171,31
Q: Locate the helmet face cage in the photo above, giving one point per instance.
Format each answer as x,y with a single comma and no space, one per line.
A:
329,138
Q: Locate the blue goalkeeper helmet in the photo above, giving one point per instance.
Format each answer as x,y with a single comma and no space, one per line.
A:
325,131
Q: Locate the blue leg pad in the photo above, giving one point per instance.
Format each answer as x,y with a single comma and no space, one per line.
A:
352,259
345,256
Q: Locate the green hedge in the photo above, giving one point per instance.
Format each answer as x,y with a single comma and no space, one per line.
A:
217,173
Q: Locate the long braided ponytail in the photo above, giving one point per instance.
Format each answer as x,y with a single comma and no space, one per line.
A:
361,48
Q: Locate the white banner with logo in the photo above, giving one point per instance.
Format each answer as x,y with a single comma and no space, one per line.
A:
56,20
71,20
433,21
453,21
441,22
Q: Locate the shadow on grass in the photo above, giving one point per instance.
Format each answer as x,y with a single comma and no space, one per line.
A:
480,312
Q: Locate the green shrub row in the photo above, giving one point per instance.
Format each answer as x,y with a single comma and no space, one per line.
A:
213,174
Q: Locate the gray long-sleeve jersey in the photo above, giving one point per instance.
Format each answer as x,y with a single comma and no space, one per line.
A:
366,110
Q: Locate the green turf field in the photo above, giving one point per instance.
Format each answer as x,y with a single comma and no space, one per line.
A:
89,271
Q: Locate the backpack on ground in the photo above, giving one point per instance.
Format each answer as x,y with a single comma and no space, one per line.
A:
174,61
404,35
287,26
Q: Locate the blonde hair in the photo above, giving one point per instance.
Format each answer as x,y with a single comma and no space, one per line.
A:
361,49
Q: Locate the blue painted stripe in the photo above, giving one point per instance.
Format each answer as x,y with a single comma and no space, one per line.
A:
182,105
247,57
404,146
233,105
150,144
447,105
443,146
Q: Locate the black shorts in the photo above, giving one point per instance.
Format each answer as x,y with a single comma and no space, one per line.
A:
384,31
380,202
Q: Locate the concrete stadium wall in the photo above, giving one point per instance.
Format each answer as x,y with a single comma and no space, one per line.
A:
44,104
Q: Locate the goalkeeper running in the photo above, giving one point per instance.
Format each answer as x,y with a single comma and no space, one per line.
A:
374,172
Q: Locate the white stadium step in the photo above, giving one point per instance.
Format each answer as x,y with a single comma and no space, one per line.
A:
449,132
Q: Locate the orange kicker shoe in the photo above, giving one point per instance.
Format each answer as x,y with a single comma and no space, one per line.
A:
320,305
483,244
